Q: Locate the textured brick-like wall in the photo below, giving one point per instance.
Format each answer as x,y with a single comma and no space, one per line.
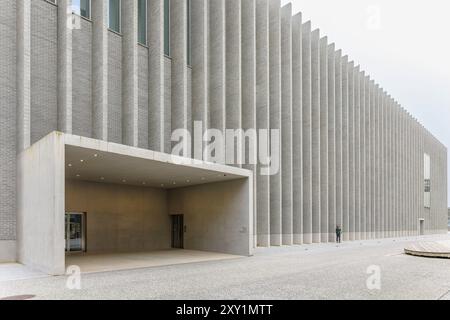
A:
115,88
7,120
167,103
82,80
44,115
143,98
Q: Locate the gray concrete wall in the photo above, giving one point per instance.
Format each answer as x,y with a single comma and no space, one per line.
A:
40,212
224,223
120,218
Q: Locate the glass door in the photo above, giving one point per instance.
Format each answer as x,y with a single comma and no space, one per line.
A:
75,229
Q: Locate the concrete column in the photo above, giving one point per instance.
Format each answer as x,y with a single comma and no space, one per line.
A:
307,132
387,182
23,74
297,128
324,190
383,164
178,51
286,124
363,145
249,116
233,69
353,135
370,163
388,139
392,170
217,71
275,118
345,149
408,174
99,70
199,47
390,163
155,33
400,172
376,213
315,136
332,160
419,177
64,66
339,185
358,137
129,74
396,170
262,117
379,154
404,177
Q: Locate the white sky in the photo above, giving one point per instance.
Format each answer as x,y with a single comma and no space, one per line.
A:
407,52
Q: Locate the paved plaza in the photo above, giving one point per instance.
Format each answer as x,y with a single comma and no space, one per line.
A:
322,271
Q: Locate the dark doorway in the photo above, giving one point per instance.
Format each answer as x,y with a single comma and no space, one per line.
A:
178,231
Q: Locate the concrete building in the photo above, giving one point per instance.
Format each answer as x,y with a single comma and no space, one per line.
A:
91,92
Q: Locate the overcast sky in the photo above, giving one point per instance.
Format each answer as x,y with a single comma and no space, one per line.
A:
404,45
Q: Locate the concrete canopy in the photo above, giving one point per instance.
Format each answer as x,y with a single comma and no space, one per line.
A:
45,167
97,161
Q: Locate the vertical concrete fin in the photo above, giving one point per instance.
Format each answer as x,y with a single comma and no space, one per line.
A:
315,136
360,137
217,70
286,124
233,87
297,129
332,130
307,132
275,119
23,74
156,114
262,118
129,74
99,70
353,127
339,141
65,66
249,117
346,121
178,50
324,152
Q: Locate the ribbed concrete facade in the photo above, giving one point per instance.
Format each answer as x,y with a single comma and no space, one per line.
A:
350,154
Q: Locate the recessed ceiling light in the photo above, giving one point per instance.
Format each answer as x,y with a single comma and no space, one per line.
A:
78,176
174,182
203,178
143,183
124,180
81,160
102,178
188,181
96,155
69,165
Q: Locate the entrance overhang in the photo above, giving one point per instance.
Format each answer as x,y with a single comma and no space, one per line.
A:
45,167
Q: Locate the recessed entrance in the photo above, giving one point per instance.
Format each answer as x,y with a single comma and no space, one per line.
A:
178,231
75,232
421,227
120,199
